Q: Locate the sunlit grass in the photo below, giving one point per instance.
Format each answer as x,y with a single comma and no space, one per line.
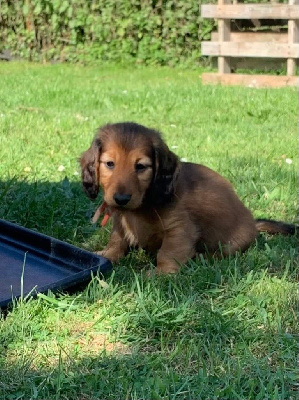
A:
220,329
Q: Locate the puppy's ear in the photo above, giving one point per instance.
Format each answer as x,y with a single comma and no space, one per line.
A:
165,174
89,162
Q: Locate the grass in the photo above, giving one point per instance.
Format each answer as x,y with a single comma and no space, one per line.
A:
220,329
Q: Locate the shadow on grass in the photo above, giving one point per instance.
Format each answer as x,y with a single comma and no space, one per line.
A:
193,336
207,355
147,377
62,210
57,209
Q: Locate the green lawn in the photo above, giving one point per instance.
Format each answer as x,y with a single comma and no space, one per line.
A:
220,329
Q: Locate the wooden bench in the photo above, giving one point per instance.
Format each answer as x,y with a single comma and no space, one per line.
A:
255,44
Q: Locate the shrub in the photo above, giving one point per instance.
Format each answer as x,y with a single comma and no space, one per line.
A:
142,31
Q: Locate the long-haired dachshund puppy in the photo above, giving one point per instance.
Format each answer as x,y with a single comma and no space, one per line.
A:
171,208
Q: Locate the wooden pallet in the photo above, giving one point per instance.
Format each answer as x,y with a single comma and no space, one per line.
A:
260,45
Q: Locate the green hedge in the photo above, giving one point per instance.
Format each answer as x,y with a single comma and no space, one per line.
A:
144,31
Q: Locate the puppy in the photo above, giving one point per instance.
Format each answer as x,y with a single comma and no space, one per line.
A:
171,208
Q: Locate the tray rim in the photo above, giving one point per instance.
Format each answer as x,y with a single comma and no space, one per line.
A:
42,236
102,264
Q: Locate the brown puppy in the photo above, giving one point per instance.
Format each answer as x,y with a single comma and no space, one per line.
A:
172,208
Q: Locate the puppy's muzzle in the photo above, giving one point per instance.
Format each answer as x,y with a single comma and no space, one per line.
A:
122,199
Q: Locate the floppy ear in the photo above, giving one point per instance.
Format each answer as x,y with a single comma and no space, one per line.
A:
166,164
89,162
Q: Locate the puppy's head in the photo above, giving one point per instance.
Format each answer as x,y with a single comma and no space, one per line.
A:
132,164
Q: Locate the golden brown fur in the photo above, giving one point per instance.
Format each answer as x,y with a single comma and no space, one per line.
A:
171,208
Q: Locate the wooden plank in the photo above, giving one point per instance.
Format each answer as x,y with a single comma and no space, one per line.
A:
264,65
247,49
293,37
250,11
224,36
253,81
254,37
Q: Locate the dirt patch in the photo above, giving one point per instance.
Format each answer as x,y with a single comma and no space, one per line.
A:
95,342
91,341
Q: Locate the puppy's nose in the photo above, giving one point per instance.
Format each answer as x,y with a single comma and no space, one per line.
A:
121,199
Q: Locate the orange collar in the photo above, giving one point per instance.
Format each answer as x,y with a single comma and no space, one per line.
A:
103,209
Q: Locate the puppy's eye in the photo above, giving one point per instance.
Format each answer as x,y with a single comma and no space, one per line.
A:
110,164
140,167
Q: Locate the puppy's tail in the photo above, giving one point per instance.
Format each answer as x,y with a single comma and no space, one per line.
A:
275,227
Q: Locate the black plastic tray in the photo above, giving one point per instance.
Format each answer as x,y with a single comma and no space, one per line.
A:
38,263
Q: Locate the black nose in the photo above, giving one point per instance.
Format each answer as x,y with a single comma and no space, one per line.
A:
122,199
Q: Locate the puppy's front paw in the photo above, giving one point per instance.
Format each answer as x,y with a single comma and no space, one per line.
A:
100,253
167,266
105,253
162,271
110,253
